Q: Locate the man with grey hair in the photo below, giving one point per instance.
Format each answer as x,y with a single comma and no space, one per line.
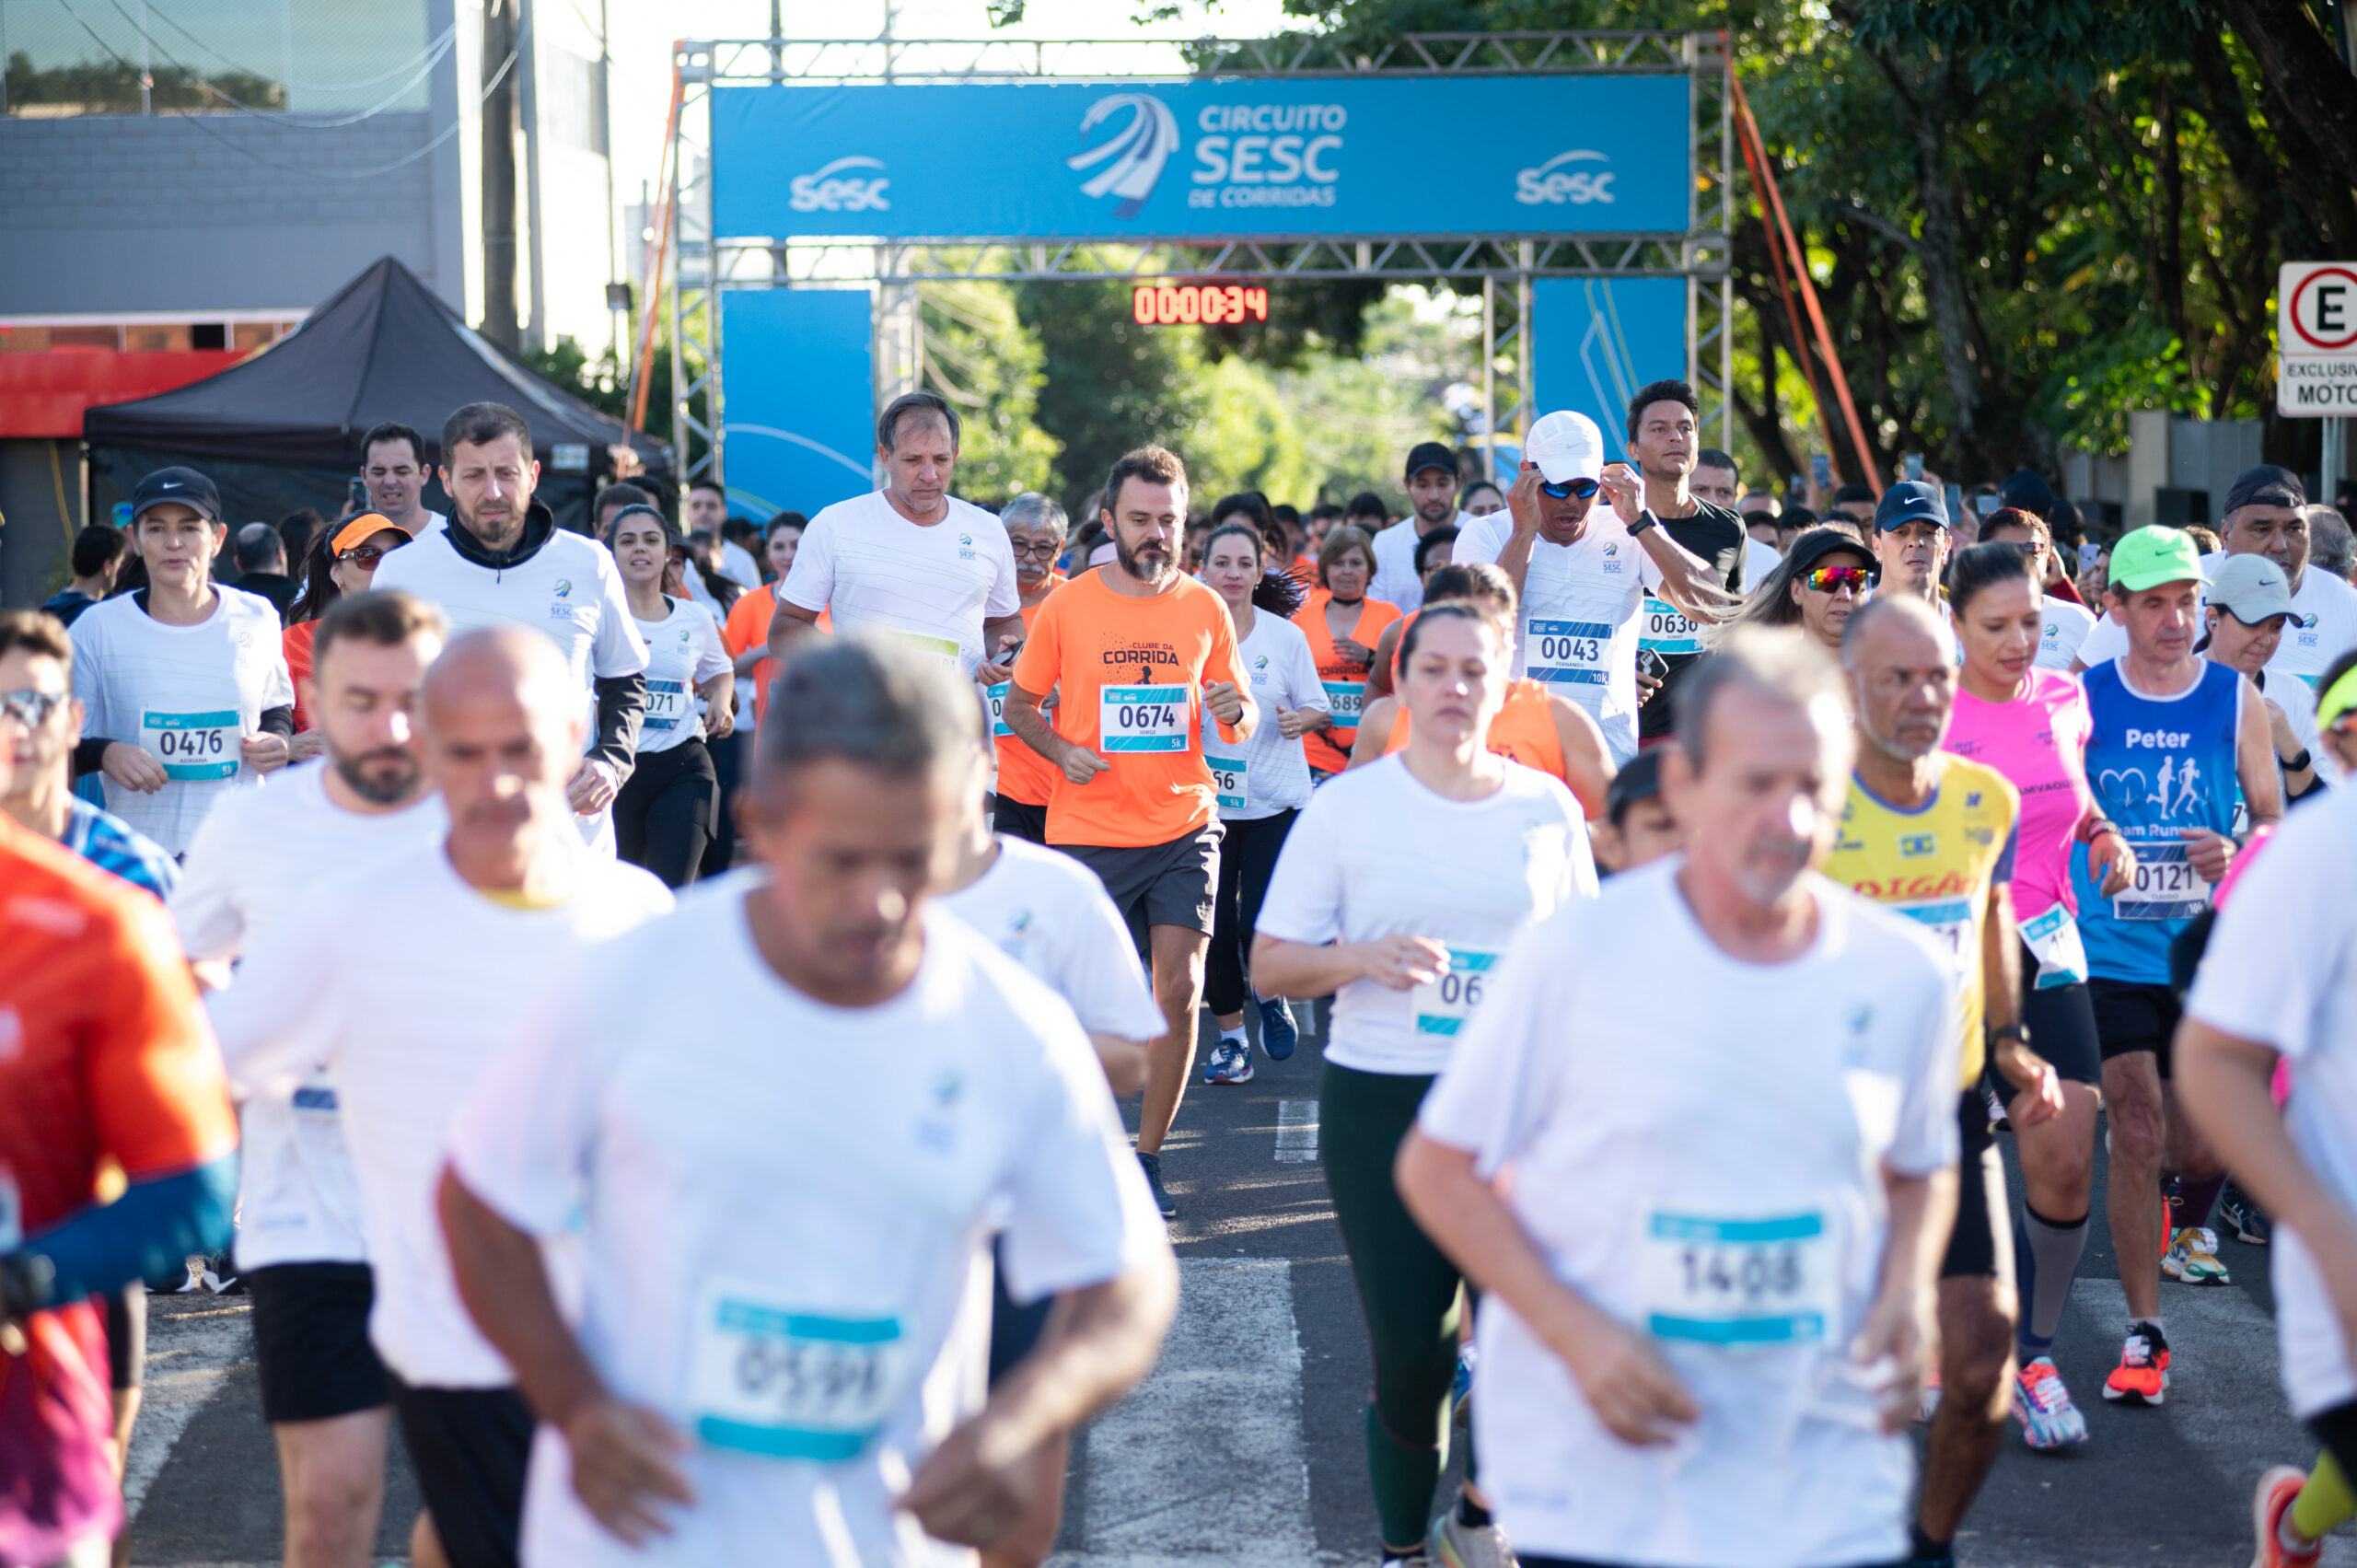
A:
1617,1279
2332,547
1035,532
508,899
1931,835
814,1216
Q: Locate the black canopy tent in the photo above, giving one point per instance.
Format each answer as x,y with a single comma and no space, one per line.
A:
282,429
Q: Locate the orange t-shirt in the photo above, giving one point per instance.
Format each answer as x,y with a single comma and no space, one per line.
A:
749,628
1024,776
107,1057
1329,749
296,641
1524,730
1103,653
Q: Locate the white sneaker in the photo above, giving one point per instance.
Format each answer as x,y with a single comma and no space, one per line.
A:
1455,1545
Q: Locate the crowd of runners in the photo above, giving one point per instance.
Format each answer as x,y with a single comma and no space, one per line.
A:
763,926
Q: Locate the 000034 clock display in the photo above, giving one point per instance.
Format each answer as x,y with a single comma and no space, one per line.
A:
1171,304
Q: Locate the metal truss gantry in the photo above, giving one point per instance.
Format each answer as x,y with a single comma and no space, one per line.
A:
707,264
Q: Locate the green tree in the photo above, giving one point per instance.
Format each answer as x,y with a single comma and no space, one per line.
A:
978,355
1108,384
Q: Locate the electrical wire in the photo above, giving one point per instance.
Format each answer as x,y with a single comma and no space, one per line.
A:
277,117
433,46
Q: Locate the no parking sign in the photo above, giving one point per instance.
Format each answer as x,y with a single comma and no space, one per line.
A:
2315,337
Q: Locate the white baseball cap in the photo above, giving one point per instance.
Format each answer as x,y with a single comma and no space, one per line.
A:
1566,445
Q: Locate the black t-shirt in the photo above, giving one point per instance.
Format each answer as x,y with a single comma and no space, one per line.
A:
1717,536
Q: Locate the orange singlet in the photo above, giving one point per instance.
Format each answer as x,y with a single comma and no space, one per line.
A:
1329,749
1524,731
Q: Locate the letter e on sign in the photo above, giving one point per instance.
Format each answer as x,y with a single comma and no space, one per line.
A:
2315,338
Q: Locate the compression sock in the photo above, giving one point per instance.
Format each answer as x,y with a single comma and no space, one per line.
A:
2323,1503
2200,1199
1473,1516
2047,1255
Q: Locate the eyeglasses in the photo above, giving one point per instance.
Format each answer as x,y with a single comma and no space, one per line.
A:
1581,488
2031,548
1041,551
30,709
1833,579
368,554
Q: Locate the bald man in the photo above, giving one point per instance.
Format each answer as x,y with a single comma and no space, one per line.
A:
486,918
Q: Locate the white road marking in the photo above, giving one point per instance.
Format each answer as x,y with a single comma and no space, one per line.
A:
1297,1131
190,1355
1232,1367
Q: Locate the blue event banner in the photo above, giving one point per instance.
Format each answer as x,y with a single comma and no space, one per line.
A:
1240,158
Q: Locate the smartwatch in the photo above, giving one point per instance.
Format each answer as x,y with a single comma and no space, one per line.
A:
1646,520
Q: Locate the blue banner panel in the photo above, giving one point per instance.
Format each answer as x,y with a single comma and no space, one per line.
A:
800,432
1411,155
1596,341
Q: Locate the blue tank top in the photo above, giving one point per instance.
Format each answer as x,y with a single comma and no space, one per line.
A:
2155,764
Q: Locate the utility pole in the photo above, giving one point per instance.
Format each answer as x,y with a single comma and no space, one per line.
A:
500,34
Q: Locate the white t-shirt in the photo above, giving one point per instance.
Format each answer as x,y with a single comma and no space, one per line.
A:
1617,1069
932,587
1375,853
1579,621
1484,539
189,695
259,854
2062,631
1267,774
2298,700
1394,580
406,1031
2325,627
2280,970
683,651
1758,560
736,563
771,1184
1049,914
569,591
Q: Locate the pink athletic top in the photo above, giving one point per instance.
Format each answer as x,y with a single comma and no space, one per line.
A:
2038,741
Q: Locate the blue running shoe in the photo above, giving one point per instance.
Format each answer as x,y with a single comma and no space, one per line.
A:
1278,1036
1230,1063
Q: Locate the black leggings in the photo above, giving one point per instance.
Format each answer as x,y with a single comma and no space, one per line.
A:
665,814
1247,856
727,765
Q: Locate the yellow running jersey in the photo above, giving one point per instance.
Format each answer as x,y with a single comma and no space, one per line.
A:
1935,864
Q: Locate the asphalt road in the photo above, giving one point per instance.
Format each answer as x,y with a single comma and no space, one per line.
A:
1246,1447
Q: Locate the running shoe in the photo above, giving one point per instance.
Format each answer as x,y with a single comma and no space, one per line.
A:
1162,1199
2277,1489
1454,1544
2043,1406
1929,1405
2192,1258
2142,1375
2240,1212
1278,1036
1461,1387
1230,1063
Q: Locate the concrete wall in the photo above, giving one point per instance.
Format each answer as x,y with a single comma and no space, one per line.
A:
108,213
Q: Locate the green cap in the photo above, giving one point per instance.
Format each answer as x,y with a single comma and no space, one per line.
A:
2146,558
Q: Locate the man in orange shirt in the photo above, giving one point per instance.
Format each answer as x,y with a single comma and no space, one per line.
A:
1035,530
104,1055
1130,648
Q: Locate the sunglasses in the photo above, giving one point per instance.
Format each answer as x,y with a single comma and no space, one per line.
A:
1833,579
30,709
368,554
2031,548
1580,488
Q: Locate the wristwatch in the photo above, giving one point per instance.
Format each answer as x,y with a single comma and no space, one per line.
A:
1646,520
2299,764
2003,1030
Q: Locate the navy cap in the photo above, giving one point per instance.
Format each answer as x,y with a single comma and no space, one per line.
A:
1638,779
1909,501
186,486
2027,489
2265,485
1429,455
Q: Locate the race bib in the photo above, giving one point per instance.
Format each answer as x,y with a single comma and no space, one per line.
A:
2053,938
1567,652
1666,629
997,695
1738,1283
945,649
1344,700
775,1380
667,704
1442,1006
1227,778
1143,718
2166,886
1950,923
194,746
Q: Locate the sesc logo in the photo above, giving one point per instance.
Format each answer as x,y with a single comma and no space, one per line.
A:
1550,182
1138,150
823,192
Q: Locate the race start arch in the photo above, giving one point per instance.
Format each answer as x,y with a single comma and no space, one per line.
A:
1581,179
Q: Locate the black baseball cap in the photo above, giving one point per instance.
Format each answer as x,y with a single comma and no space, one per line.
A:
2027,489
1638,779
2265,485
1429,455
186,486
1820,542
1909,501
